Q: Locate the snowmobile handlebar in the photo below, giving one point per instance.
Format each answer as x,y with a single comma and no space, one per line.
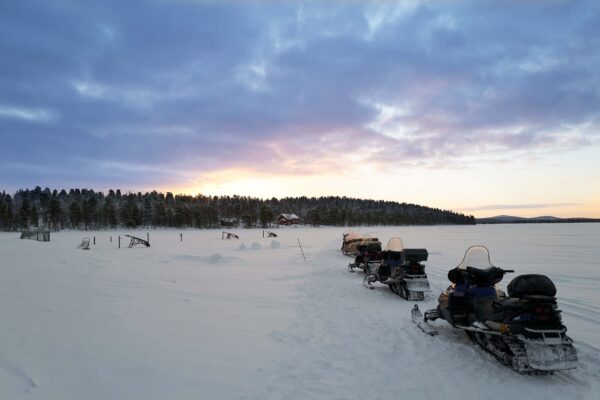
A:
508,271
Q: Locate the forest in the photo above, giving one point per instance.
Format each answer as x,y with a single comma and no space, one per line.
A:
88,209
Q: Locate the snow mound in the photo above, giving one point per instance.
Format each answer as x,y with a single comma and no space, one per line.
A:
275,244
216,259
212,259
189,257
242,247
256,246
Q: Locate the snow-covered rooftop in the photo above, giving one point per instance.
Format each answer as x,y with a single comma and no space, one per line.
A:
289,216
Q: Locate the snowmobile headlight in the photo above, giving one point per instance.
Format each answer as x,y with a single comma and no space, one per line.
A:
504,328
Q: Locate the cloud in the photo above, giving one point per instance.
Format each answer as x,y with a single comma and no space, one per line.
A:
163,86
26,114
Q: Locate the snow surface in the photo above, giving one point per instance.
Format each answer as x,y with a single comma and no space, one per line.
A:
250,319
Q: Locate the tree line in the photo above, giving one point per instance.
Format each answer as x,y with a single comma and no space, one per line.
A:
88,209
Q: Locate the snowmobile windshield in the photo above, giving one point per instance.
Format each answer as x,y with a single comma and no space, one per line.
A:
476,257
394,244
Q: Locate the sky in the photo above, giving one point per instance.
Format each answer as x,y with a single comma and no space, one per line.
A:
482,107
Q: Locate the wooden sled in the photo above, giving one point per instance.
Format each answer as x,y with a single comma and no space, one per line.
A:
85,244
228,235
136,240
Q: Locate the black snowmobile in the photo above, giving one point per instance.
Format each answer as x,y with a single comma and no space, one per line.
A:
522,330
369,255
401,270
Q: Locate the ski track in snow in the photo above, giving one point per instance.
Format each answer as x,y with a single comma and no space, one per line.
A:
205,319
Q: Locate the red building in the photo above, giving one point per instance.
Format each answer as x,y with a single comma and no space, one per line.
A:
288,219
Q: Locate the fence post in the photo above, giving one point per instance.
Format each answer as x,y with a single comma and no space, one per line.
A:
119,241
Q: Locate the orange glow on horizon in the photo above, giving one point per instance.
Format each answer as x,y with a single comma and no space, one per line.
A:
430,188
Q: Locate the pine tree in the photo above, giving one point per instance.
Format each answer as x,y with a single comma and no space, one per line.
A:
266,216
33,216
54,212
25,213
88,210
147,212
75,215
3,214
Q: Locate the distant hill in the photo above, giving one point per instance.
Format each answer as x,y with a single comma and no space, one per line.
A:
88,209
545,219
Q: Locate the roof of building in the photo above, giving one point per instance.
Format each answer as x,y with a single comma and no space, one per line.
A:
289,216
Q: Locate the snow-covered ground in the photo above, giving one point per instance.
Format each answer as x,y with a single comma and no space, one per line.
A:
250,319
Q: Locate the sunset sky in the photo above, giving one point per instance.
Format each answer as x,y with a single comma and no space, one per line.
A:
481,107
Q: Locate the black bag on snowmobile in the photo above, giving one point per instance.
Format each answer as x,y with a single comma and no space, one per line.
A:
531,285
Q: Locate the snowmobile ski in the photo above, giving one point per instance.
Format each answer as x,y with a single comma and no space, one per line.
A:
417,318
368,281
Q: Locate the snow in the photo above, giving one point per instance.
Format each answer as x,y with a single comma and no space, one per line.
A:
250,319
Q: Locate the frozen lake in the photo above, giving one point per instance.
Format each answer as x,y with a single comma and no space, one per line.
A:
250,319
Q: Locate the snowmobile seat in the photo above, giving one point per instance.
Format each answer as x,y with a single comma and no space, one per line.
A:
392,258
531,285
455,276
373,248
506,302
474,291
486,277
418,255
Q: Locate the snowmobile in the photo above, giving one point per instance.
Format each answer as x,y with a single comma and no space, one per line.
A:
522,330
369,254
349,243
401,270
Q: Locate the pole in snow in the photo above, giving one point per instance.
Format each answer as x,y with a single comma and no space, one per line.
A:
181,237
119,241
94,240
299,244
148,237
